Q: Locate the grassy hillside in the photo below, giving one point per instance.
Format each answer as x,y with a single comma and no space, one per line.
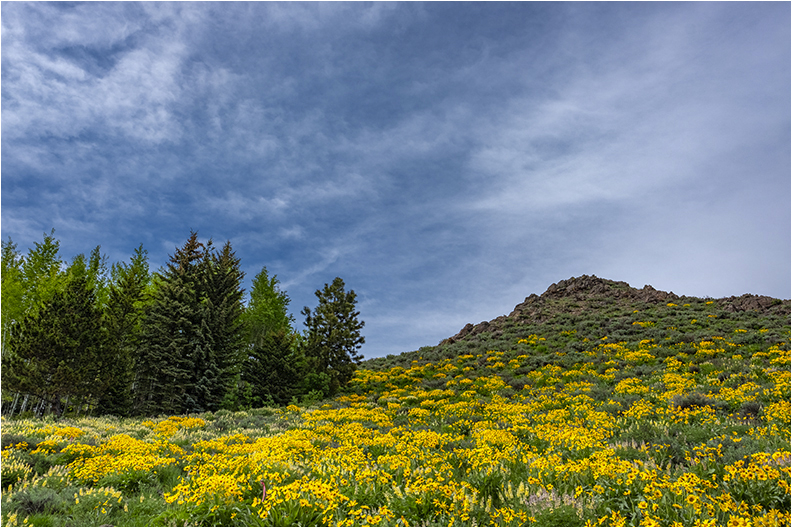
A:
593,404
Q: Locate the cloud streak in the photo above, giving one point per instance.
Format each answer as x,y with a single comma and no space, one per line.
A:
446,160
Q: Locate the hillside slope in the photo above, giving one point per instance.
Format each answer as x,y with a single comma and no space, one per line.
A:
596,308
594,404
640,407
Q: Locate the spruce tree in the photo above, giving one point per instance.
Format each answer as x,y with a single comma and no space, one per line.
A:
123,313
219,352
191,334
272,369
333,335
170,334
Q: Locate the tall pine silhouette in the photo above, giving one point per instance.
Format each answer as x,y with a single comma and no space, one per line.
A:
190,333
333,335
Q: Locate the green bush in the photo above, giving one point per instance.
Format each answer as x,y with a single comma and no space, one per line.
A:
128,482
8,440
37,500
565,515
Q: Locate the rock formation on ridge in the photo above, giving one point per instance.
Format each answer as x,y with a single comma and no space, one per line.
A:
588,292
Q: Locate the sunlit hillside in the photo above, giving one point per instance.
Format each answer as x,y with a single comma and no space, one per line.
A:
585,406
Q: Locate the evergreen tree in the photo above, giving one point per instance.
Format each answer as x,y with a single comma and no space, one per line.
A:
56,352
191,334
219,353
333,334
98,276
272,369
94,270
122,319
170,333
27,282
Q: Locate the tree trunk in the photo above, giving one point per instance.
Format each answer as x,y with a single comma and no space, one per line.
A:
57,407
13,405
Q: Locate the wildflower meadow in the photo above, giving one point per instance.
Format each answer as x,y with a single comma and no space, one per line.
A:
643,432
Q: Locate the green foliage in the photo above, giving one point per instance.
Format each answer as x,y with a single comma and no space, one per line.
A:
561,515
212,513
333,335
293,513
94,271
27,282
273,363
168,334
489,486
272,369
122,320
695,399
41,272
37,500
218,359
314,396
57,352
191,332
13,288
266,312
317,383
8,440
179,340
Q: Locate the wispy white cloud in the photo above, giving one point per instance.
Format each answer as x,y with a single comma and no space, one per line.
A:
320,264
444,159
53,91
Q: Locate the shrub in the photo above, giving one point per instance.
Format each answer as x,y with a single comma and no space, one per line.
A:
8,440
687,401
750,410
37,500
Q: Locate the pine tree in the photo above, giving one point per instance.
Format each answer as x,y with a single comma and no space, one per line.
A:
123,313
272,369
170,334
333,334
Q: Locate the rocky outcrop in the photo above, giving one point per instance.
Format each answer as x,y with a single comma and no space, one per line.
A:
587,292
757,303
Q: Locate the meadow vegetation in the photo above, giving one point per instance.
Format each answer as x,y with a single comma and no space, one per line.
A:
672,414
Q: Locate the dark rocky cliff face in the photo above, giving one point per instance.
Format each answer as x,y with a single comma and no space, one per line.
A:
588,292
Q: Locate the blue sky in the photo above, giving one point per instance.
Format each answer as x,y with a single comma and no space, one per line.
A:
445,159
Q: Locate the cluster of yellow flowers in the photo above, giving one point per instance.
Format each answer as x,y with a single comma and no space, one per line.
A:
166,428
478,451
119,454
